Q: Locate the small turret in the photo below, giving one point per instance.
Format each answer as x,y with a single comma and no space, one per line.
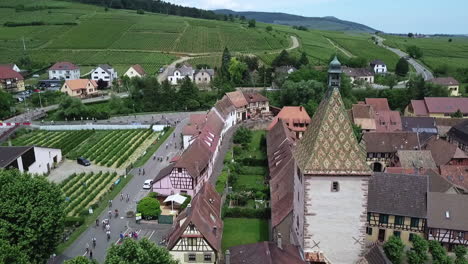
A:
334,73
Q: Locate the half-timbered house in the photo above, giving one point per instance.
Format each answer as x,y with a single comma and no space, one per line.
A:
196,234
447,219
187,174
397,206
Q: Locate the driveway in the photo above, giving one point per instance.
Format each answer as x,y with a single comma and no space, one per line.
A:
420,69
69,167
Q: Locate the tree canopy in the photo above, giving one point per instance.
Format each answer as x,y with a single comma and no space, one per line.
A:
402,67
414,51
149,207
81,260
141,252
31,214
394,249
6,102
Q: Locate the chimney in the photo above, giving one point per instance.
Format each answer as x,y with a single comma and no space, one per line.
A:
300,108
215,229
227,257
279,241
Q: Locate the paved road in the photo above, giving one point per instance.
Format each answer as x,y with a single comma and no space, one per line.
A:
421,69
36,113
135,191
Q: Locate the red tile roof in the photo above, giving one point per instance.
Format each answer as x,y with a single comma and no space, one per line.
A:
390,142
443,152
255,97
195,158
64,65
139,69
445,81
446,104
8,73
379,104
292,115
195,125
237,99
457,175
205,214
388,121
79,84
419,107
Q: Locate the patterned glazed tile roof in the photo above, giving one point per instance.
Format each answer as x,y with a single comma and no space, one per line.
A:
329,146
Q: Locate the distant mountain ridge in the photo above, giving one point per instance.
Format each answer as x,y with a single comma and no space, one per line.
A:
320,23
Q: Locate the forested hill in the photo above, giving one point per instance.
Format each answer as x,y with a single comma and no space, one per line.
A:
319,23
155,6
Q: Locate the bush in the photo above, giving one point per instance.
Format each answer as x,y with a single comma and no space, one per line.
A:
186,202
149,208
242,136
238,212
253,162
72,221
153,195
130,214
140,11
394,249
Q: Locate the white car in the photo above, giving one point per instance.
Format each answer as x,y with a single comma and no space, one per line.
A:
147,184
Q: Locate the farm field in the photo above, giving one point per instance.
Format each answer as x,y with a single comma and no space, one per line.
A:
241,231
111,148
84,190
438,51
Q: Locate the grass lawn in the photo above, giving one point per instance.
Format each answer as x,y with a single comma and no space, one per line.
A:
254,150
253,181
240,231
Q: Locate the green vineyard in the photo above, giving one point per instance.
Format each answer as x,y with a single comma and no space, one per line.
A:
103,147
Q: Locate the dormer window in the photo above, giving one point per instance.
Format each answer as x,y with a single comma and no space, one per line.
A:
335,186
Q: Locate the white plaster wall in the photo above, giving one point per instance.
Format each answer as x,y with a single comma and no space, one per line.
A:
335,220
20,164
44,156
60,74
187,141
297,230
179,255
131,73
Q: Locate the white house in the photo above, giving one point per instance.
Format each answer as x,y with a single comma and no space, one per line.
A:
36,160
174,75
64,71
379,67
204,76
104,72
135,71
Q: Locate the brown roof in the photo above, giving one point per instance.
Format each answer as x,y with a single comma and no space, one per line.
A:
457,175
205,214
139,69
195,158
237,99
447,211
449,121
79,84
445,81
419,107
459,132
357,72
281,167
379,104
63,65
164,172
224,106
443,152
398,194
265,253
416,159
446,104
211,131
8,73
292,115
329,146
389,142
388,121
255,97
195,124
364,116
375,255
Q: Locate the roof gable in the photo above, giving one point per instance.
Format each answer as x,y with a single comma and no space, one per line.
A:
9,73
63,66
329,146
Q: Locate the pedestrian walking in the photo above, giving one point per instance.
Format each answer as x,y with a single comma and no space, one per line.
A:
107,227
94,242
143,172
121,197
91,254
128,197
110,203
87,248
139,171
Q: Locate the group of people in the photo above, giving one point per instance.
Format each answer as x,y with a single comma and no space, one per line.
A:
127,197
89,252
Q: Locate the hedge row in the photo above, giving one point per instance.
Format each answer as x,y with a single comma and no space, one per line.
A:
36,23
239,212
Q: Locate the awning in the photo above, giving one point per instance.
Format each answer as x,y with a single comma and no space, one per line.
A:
176,198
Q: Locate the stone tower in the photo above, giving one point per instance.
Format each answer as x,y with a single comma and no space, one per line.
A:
335,181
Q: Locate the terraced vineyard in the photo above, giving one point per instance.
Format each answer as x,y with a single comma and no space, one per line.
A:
82,190
111,148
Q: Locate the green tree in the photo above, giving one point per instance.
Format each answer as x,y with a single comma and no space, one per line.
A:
269,28
283,59
242,136
390,80
81,260
306,93
357,62
303,60
142,252
237,70
188,95
394,249
414,51
410,35
71,107
149,207
6,102
252,23
225,62
169,95
402,67
439,254
11,254
418,254
457,114
32,214
460,254
357,132
186,202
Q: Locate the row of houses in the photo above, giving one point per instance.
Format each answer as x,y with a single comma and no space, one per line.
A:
202,76
327,204
196,234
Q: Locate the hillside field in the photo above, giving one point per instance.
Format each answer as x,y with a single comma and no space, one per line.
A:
438,51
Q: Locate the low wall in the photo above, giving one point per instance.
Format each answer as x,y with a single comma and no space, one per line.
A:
99,127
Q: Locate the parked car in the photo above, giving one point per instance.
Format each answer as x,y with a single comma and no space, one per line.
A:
161,70
147,184
83,161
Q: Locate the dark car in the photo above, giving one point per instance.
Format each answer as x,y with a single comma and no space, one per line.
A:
83,161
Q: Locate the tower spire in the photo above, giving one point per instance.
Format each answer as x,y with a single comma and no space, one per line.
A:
334,73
